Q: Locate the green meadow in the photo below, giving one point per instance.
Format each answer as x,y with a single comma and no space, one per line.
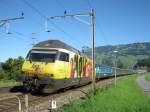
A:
147,77
126,96
9,83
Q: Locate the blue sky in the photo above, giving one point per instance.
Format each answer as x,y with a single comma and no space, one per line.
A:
116,22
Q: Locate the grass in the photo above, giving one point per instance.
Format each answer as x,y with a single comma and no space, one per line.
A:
125,97
147,77
8,83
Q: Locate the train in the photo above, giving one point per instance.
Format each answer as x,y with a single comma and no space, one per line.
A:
103,71
52,65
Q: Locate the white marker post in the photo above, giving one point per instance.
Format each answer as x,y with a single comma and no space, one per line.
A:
53,106
26,102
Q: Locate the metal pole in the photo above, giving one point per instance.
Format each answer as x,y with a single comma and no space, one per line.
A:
115,69
93,50
91,14
115,65
7,21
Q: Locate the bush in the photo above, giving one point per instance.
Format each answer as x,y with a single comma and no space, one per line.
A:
2,74
12,68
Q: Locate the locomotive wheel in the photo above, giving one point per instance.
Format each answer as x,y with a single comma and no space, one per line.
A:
26,86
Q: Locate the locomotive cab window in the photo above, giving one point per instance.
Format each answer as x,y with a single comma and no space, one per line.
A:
64,57
42,56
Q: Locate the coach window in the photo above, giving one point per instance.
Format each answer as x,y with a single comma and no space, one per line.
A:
64,57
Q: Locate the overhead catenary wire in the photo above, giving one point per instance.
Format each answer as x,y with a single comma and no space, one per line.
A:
15,8
98,25
54,25
20,36
89,4
9,31
75,17
102,32
90,14
36,10
33,8
6,22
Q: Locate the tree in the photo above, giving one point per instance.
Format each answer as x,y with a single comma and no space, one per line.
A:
2,74
107,61
12,67
143,63
119,64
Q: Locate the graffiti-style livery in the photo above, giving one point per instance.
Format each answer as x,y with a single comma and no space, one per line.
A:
52,65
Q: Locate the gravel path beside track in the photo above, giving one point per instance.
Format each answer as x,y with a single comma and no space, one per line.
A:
144,84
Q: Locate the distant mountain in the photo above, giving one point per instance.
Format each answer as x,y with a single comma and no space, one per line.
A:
127,55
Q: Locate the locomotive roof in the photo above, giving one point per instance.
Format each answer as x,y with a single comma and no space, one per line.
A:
55,44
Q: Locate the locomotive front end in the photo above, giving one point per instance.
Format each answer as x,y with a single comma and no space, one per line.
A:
38,69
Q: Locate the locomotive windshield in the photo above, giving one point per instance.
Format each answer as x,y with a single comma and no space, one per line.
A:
42,56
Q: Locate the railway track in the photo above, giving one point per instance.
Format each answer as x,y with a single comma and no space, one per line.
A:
10,103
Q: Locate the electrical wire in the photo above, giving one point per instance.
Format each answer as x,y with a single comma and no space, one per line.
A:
62,30
102,32
76,18
55,25
89,4
98,25
33,8
20,35
15,8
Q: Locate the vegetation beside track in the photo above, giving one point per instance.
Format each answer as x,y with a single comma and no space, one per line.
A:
9,83
10,70
147,77
125,97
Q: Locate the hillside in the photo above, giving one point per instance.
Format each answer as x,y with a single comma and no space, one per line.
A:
127,55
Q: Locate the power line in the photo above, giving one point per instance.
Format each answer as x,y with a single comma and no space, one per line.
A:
33,8
15,8
68,35
43,16
98,24
102,32
90,14
60,4
20,36
6,22
89,4
36,10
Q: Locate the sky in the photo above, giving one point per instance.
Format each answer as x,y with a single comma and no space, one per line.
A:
116,22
